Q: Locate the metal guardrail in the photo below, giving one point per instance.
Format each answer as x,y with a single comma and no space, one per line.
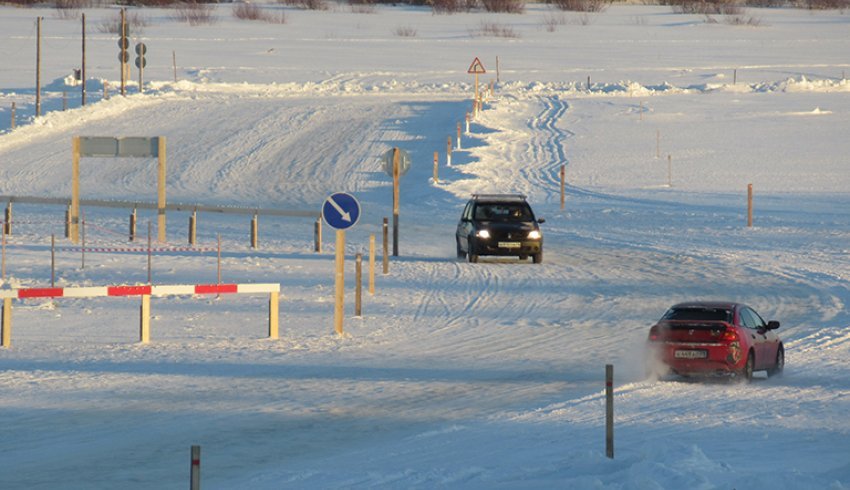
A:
293,213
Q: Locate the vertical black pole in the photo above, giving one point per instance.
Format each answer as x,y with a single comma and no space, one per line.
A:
386,248
609,411
38,69
83,67
195,469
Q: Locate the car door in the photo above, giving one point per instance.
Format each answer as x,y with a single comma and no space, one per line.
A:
771,340
757,330
464,226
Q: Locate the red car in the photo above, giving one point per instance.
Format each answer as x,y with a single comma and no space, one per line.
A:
714,338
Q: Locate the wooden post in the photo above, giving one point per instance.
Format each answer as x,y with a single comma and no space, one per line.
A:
145,319
274,306
161,201
669,170
38,68
317,235
386,247
588,83
458,135
105,90
436,177
195,469
358,284
497,69
64,100
13,116
254,231
449,152
467,123
609,411
749,205
735,76
218,261
396,176
83,66
339,283
563,184
372,264
174,64
133,225
193,228
7,226
6,324
3,259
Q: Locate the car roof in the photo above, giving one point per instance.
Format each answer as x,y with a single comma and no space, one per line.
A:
498,197
707,304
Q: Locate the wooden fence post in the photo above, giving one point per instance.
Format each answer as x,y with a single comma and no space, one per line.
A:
254,231
145,319
458,136
563,184
749,205
449,152
7,227
13,116
358,281
372,264
274,311
193,228
6,323
317,235
436,177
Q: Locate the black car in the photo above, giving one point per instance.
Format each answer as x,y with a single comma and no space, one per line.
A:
499,224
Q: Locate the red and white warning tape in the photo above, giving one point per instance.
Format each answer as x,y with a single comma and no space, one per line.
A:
137,249
92,292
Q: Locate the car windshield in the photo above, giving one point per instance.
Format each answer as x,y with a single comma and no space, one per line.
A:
699,313
503,212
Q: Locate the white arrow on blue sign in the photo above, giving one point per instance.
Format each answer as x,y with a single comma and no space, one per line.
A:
341,210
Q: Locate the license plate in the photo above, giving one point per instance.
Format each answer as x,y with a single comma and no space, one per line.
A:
509,244
691,354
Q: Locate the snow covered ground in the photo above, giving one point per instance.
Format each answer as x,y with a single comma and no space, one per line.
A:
456,375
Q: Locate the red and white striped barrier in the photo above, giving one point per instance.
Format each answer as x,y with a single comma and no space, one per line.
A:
137,249
143,291
150,290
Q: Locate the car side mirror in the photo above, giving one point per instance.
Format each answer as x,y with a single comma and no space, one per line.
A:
772,325
541,220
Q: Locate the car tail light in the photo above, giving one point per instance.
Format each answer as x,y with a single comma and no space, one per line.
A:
729,336
653,333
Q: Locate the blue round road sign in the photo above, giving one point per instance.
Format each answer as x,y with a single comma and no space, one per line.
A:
341,210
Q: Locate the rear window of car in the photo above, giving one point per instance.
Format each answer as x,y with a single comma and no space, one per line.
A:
703,314
503,212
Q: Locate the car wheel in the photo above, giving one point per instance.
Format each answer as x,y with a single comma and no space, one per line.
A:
746,374
460,253
779,366
538,257
471,253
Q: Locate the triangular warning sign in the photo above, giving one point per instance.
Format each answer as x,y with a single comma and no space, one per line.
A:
476,67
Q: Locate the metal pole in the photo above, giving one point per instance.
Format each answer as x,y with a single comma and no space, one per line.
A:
133,225
372,264
563,184
149,252
386,248
396,176
174,63
609,411
38,69
83,249
218,260
83,68
339,282
195,469
123,50
52,260
317,235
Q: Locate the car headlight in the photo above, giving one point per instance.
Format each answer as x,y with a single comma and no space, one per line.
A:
483,234
534,235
